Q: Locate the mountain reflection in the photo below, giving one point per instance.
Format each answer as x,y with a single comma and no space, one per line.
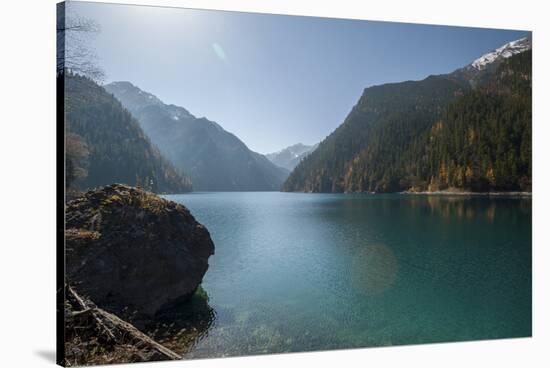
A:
470,208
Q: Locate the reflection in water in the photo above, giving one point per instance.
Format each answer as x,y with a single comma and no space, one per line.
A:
462,207
182,324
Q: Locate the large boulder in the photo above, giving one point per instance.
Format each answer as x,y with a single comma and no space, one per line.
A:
127,249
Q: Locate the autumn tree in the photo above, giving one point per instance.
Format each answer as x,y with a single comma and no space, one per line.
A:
76,154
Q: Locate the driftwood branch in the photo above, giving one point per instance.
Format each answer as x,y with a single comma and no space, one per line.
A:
84,306
138,338
121,332
84,312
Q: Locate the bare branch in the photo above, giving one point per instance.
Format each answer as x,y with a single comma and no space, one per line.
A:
74,52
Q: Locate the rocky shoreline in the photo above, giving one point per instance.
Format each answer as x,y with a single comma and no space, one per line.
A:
131,256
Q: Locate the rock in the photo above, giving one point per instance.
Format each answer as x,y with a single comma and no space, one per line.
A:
127,249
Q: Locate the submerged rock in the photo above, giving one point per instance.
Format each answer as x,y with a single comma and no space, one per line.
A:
128,249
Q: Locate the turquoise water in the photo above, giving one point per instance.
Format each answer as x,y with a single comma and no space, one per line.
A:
301,272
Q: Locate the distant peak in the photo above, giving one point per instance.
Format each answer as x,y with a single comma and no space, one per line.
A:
503,52
296,149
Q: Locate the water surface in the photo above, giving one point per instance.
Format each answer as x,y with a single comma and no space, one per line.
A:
302,272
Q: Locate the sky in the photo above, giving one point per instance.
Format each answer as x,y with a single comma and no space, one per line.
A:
272,80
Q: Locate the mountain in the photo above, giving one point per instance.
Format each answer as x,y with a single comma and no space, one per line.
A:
440,133
215,159
291,156
393,113
482,68
503,52
105,144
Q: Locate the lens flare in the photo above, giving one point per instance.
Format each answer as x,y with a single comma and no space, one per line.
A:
374,269
218,50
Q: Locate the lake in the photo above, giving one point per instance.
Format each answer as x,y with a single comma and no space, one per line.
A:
302,272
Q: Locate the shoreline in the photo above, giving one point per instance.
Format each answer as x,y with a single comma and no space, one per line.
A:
459,193
435,193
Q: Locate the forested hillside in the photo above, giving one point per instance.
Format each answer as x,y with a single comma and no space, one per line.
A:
483,143
429,135
386,119
105,145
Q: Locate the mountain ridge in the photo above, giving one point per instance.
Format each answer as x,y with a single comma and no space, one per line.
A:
216,160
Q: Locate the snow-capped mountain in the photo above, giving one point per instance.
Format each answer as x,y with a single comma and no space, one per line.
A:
481,69
503,52
291,156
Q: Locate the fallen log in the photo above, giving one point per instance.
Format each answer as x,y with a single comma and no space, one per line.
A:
82,303
138,338
81,313
118,332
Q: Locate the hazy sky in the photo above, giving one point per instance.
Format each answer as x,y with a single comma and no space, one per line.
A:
272,80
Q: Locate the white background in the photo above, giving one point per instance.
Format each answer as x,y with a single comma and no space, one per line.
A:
27,181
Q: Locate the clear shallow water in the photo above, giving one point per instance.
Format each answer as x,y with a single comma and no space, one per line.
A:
302,272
